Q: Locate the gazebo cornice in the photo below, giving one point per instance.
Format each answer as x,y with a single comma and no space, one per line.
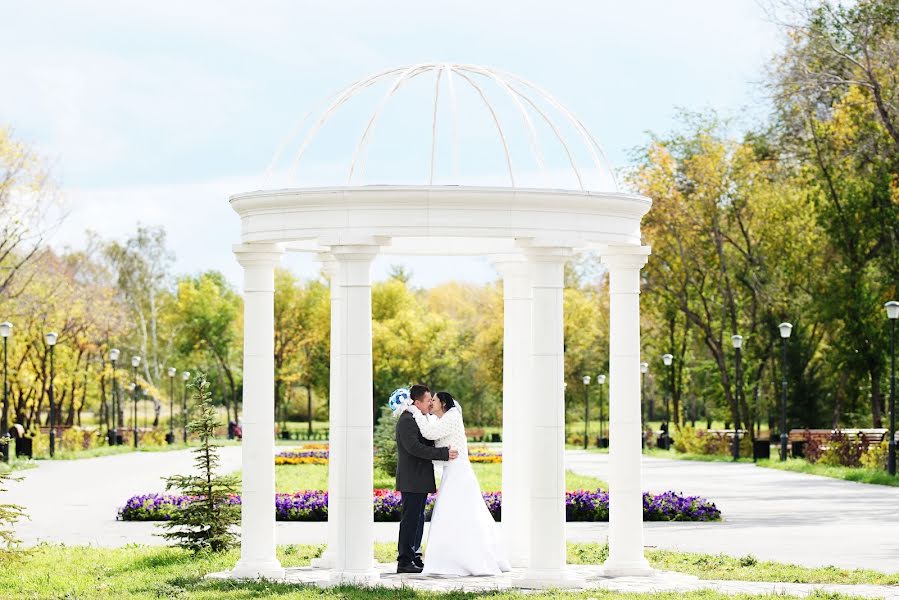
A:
578,219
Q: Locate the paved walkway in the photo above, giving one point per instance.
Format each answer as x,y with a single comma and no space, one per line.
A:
75,501
660,581
773,515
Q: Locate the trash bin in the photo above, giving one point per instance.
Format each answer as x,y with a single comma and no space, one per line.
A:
24,447
494,437
761,449
170,438
798,449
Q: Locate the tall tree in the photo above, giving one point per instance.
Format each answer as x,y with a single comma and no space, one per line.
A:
838,115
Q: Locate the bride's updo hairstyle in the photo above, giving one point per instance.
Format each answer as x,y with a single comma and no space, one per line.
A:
447,400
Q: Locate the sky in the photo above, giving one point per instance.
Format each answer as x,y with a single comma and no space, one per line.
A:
156,113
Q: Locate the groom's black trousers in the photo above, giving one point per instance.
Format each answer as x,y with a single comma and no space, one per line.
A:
412,525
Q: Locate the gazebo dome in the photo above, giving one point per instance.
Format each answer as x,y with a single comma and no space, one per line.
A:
441,123
479,174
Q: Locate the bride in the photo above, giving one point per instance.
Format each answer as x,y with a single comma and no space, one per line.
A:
463,539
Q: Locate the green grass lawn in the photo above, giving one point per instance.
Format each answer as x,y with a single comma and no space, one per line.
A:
291,478
132,572
796,465
859,475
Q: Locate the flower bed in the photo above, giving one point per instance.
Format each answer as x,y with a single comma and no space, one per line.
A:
483,455
302,456
580,505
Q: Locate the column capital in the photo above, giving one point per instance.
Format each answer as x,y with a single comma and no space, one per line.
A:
258,255
508,264
354,252
536,251
624,257
328,263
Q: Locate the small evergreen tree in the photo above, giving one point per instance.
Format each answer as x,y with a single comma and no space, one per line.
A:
9,514
205,522
385,443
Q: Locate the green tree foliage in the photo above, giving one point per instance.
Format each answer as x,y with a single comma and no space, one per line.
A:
838,115
302,340
385,443
206,522
207,315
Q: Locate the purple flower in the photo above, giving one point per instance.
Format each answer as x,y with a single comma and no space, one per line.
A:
312,505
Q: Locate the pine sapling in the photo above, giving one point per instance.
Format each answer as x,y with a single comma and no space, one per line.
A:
9,514
204,523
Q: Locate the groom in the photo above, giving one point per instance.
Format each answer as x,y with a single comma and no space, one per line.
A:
415,480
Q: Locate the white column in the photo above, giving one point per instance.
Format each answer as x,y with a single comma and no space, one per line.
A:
352,440
335,457
625,454
547,566
257,511
517,300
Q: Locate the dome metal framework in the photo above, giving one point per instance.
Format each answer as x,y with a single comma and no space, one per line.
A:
531,103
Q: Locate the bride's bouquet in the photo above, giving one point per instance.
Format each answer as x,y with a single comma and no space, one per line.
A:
399,400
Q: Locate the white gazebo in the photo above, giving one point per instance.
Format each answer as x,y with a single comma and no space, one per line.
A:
528,234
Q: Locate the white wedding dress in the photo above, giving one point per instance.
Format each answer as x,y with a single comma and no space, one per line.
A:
463,538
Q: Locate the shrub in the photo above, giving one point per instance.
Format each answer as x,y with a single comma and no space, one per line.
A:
76,438
204,522
698,441
843,451
876,456
385,443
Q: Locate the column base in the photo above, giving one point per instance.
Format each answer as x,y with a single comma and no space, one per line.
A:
368,577
258,570
537,579
627,568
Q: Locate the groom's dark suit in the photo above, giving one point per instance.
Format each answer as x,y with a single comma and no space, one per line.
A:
415,480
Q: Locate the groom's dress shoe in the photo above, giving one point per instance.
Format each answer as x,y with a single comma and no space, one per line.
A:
413,568
418,562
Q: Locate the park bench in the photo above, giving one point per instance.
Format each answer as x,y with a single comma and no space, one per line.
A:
798,438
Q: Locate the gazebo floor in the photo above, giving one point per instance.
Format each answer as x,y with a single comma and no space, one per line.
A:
592,575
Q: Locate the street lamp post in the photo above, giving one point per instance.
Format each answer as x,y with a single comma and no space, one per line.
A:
113,434
51,341
737,341
135,361
892,314
185,376
5,331
601,380
668,360
586,411
785,330
170,437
